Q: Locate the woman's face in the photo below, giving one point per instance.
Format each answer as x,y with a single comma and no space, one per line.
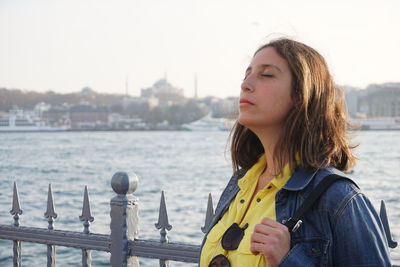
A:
265,98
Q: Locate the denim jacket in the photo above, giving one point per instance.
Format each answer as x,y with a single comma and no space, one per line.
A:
341,229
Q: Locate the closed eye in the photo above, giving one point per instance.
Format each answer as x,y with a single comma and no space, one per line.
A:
267,75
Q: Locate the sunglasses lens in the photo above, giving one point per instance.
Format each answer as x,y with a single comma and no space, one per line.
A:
219,261
232,237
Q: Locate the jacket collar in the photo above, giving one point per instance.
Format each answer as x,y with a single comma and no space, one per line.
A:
300,179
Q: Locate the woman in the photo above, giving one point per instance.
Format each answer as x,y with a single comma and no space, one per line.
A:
291,134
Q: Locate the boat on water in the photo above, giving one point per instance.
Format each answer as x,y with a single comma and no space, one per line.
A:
208,123
383,123
18,121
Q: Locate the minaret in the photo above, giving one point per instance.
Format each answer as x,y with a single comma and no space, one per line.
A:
195,86
126,86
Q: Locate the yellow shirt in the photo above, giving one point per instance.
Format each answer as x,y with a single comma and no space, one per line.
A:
262,206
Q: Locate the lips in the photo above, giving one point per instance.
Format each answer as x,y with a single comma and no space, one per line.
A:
244,101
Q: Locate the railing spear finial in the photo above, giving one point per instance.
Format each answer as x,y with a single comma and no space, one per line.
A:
163,220
16,211
50,213
385,222
16,208
209,214
86,216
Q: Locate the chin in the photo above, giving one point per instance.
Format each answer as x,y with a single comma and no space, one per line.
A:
256,124
246,122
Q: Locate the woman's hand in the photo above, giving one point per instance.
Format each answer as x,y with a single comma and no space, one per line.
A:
272,239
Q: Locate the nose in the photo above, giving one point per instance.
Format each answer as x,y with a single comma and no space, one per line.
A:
246,85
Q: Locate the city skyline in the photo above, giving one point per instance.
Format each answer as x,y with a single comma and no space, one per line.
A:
67,45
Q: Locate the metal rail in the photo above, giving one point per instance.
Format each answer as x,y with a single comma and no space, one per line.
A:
164,251
123,243
56,237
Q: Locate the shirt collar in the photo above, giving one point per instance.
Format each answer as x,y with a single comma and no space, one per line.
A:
280,180
255,171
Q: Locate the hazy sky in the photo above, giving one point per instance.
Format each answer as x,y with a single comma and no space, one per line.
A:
66,45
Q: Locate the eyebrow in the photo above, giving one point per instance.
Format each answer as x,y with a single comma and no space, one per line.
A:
264,66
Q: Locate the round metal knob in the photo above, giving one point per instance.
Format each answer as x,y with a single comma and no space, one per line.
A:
122,184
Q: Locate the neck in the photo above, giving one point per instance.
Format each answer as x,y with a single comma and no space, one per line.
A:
269,139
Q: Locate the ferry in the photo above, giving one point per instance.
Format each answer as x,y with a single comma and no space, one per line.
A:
208,123
382,123
18,121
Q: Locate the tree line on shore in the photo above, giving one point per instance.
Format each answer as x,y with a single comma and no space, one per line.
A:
28,99
186,112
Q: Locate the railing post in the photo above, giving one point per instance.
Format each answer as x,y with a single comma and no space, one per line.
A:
124,219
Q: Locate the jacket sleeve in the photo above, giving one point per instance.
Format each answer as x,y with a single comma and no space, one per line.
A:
358,235
357,238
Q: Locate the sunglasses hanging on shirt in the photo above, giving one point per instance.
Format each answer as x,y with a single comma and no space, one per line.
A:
229,241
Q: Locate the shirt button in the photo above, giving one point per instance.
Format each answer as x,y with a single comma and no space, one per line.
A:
258,199
242,201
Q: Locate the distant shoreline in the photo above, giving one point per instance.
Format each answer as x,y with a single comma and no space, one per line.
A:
162,130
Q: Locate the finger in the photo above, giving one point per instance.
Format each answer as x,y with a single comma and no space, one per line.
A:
258,238
253,250
264,239
273,255
273,223
267,230
256,248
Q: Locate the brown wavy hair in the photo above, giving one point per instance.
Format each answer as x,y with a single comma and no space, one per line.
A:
316,128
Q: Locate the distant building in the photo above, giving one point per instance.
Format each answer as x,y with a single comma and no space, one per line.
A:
86,116
166,94
220,108
87,91
57,115
380,100
231,105
120,122
132,100
40,108
352,94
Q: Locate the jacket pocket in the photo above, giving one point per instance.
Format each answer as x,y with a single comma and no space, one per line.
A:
308,252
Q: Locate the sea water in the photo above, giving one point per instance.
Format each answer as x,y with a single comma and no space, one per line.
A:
186,165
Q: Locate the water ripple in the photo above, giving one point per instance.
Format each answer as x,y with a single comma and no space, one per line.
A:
186,165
